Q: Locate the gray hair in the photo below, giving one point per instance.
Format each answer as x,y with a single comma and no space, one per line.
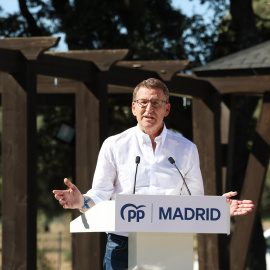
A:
150,84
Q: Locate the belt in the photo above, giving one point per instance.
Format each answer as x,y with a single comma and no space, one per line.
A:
118,236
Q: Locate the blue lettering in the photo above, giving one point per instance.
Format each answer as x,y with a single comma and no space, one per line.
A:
207,213
140,215
186,213
177,213
212,214
165,215
131,215
200,213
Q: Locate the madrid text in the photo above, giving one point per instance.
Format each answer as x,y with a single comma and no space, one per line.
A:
189,213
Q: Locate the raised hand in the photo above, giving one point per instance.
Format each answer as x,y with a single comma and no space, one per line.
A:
70,198
238,207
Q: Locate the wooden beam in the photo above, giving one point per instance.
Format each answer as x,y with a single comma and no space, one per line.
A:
233,72
247,85
128,77
189,86
75,69
165,69
252,188
103,59
78,65
14,172
30,47
179,86
116,89
55,85
56,100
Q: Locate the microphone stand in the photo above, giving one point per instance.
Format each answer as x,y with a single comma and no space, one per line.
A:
137,161
173,163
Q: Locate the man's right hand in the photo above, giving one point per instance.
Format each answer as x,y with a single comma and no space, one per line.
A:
71,198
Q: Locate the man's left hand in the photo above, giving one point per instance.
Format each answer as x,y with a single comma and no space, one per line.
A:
238,207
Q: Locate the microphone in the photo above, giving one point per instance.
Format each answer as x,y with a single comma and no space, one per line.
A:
137,161
173,163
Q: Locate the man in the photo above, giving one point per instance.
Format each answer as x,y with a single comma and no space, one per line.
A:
154,144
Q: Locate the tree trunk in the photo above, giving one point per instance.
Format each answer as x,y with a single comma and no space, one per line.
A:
244,23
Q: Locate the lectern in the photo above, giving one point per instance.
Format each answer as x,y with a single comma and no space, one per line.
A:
160,227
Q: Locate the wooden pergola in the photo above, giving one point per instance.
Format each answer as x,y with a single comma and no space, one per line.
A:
244,73
28,73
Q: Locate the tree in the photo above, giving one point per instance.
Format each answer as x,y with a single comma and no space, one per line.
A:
150,29
246,25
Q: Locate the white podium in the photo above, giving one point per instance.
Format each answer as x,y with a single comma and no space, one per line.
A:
160,227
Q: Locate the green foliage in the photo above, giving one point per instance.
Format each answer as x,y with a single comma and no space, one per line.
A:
227,39
12,26
42,261
150,29
262,17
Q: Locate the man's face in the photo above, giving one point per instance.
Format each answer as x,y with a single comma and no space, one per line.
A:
150,119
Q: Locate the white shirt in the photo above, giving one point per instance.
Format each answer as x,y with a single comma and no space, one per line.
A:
115,170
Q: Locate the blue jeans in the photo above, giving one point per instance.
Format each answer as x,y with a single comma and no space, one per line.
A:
116,255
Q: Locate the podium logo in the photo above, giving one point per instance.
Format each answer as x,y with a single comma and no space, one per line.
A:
132,212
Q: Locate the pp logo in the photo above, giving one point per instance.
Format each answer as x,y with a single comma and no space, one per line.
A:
133,212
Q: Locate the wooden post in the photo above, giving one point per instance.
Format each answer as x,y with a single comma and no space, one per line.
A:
230,149
252,188
224,127
19,159
26,187
86,251
14,164
206,135
102,86
31,89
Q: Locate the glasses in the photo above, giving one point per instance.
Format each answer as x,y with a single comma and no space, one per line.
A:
156,103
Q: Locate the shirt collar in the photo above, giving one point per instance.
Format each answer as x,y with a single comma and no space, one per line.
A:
143,138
